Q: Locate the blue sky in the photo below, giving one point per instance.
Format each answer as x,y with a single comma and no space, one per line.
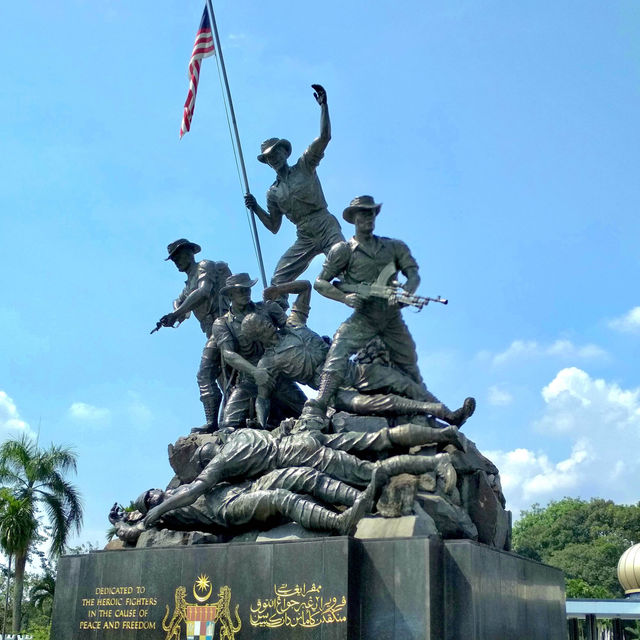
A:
501,137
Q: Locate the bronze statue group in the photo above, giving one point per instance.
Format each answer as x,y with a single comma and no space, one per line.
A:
266,453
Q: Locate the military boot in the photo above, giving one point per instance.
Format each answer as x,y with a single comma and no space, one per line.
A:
211,406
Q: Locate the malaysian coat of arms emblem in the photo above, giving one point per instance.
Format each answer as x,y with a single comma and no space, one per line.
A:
200,619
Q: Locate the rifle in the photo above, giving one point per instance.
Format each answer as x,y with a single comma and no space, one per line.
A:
390,291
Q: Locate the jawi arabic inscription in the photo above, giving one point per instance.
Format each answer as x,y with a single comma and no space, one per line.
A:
297,606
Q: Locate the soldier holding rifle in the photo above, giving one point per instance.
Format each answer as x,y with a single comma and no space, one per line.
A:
201,294
297,353
360,261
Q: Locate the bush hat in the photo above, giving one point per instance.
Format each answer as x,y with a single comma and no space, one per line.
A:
269,145
238,281
361,202
178,244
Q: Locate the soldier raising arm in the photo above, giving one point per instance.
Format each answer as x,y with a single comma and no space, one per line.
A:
297,194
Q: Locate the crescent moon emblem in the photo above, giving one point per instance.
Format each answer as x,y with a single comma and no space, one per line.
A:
205,597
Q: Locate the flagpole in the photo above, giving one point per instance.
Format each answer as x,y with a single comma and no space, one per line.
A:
237,136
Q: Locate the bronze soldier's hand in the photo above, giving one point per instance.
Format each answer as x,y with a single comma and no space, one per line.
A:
250,202
116,514
354,301
319,94
169,320
409,288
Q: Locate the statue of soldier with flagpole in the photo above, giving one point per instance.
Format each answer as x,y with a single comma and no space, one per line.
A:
297,194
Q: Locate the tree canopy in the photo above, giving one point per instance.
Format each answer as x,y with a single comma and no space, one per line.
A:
34,479
583,538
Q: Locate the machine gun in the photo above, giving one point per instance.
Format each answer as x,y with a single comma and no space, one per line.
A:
390,291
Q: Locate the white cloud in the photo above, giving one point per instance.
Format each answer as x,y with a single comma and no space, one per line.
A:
520,350
628,323
600,422
84,412
11,424
577,403
499,397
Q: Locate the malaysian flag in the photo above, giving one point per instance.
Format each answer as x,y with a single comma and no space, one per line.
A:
202,48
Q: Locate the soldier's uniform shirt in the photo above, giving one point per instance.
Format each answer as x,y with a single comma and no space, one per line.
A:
299,355
355,263
228,334
300,352
248,453
227,330
211,275
298,196
236,504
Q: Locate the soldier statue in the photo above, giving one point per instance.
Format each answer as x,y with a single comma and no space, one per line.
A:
248,453
297,194
298,494
242,353
201,295
370,386
360,261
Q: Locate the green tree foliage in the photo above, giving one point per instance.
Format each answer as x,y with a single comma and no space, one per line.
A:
583,538
17,529
37,477
41,592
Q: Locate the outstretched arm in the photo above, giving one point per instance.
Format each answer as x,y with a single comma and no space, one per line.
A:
315,151
236,361
183,497
325,123
182,308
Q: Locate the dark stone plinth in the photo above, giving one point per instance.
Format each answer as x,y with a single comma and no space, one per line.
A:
337,588
496,594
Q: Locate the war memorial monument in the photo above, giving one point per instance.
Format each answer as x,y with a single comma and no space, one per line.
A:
364,512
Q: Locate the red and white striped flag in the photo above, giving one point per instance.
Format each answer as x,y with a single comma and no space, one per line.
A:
202,48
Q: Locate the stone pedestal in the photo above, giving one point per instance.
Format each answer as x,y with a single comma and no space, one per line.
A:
418,588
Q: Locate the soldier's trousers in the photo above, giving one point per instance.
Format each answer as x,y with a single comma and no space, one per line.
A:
315,236
359,328
209,372
287,401
308,452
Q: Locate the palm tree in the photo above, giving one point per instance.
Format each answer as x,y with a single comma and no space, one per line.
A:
43,590
37,476
17,528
